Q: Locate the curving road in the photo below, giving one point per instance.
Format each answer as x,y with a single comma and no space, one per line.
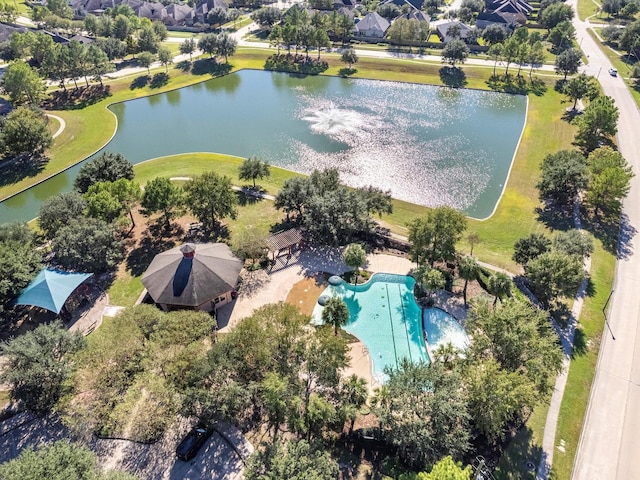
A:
609,443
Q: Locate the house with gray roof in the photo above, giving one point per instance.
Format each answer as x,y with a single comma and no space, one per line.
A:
508,20
442,30
372,25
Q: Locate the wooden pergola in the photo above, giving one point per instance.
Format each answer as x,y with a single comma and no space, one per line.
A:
283,241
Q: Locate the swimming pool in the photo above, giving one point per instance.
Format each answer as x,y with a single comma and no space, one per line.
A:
384,315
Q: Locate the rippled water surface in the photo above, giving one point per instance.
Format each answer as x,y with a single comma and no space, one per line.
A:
428,145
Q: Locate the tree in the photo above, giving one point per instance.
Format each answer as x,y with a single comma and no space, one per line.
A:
292,197
58,460
494,34
98,62
39,366
60,210
207,43
188,47
554,274
23,84
355,257
536,56
108,201
499,285
556,13
447,469
161,195
568,62
148,40
225,45
20,262
145,60
435,235
530,247
597,124
108,167
354,395
267,16
468,270
573,242
210,198
276,400
165,57
496,397
561,36
510,52
25,132
426,415
217,16
87,245
253,168
563,175
455,51
609,181
121,27
630,39
349,57
113,47
60,8
520,338
579,87
495,52
294,460
335,313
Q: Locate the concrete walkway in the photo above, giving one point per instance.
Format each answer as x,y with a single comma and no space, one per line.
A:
62,123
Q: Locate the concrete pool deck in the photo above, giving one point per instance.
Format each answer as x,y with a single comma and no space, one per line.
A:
275,285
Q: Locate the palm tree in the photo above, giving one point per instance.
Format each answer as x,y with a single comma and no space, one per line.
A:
335,313
468,269
354,257
354,394
499,285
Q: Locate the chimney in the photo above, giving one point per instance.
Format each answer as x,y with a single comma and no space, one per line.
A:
188,250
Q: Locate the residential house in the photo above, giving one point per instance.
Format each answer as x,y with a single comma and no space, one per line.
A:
372,25
510,21
442,30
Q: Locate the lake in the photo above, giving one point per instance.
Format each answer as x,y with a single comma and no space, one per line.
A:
429,145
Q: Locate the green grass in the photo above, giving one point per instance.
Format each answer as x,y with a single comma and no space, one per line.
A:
525,447
586,8
4,398
583,363
23,9
175,34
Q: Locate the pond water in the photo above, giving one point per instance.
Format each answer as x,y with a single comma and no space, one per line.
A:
428,145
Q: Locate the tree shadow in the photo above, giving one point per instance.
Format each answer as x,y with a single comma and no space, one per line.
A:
245,199
520,457
13,170
516,84
140,82
569,114
559,85
209,66
616,234
184,66
555,217
345,72
75,99
580,346
149,246
159,80
453,77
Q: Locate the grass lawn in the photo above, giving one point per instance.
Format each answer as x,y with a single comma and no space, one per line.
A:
23,9
587,8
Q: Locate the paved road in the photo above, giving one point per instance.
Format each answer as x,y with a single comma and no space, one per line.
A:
609,446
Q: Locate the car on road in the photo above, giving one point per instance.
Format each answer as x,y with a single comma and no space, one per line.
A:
192,442
613,72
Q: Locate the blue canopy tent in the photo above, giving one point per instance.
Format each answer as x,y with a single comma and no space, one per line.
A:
51,288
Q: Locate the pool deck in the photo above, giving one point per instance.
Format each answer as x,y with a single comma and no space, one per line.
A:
274,286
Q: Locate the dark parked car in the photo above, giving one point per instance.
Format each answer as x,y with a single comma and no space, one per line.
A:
189,446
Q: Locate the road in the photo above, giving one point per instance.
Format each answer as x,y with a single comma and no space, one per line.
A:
609,447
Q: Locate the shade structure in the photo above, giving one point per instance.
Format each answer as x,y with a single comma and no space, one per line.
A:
192,274
51,288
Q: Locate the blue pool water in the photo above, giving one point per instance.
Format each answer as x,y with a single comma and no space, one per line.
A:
441,328
386,318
